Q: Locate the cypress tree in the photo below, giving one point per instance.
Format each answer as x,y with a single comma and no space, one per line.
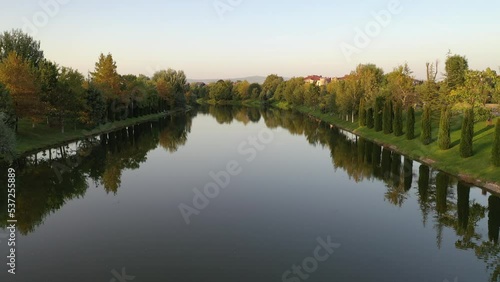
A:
398,119
496,146
379,104
444,129
387,117
466,148
362,113
426,136
370,122
410,124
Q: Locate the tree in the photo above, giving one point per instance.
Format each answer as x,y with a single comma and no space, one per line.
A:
476,90
444,139
466,146
362,113
387,117
18,77
379,105
254,91
7,140
426,136
171,87
398,118
410,124
69,100
400,84
95,107
370,79
108,81
7,107
456,67
428,92
370,122
23,45
240,90
495,153
221,90
270,86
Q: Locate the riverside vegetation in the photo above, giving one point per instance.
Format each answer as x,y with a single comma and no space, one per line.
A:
447,122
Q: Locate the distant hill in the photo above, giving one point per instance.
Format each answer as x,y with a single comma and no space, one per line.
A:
251,79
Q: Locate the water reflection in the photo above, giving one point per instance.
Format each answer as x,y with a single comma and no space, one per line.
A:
44,188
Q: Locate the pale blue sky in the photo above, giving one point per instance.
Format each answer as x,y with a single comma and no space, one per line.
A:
257,37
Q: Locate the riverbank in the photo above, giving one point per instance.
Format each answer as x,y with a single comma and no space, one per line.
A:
30,140
476,170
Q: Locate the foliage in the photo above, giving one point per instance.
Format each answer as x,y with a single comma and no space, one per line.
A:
495,152
370,122
387,117
7,140
426,136
410,123
444,138
377,115
398,119
456,68
362,113
16,41
466,146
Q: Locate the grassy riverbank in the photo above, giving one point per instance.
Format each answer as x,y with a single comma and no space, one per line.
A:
477,169
42,136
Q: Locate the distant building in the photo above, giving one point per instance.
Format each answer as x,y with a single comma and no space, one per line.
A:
318,80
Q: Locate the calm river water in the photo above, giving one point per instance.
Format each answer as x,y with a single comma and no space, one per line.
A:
238,194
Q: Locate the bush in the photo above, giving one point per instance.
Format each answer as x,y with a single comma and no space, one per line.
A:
7,140
370,122
410,124
362,113
426,136
496,146
379,105
444,140
466,147
398,119
387,117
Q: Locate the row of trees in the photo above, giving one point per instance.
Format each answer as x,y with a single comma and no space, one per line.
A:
380,101
37,89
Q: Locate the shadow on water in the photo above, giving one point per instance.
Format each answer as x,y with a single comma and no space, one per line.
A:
49,179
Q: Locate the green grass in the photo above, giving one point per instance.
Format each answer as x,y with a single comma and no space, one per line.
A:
30,139
477,169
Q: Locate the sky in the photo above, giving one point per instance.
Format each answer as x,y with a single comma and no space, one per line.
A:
239,38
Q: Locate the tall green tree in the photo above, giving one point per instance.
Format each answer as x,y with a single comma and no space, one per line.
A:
398,118
362,113
387,117
400,83
23,45
456,68
370,122
18,77
378,113
426,132
495,152
270,86
106,78
410,124
444,139
466,146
